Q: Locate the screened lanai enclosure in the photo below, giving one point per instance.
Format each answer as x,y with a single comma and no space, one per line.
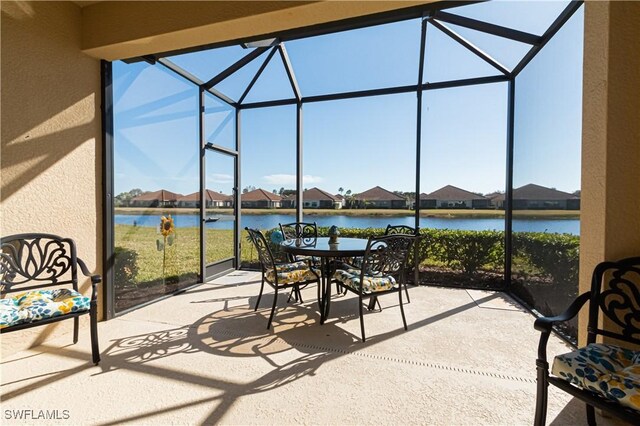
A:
460,120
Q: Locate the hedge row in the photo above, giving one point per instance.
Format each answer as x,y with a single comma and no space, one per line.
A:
552,255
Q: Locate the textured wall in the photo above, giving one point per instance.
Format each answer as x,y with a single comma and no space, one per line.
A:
51,162
610,219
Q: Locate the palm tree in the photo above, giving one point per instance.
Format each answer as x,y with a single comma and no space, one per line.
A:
341,190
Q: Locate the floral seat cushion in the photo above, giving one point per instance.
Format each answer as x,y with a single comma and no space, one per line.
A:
289,273
608,370
41,304
11,314
372,283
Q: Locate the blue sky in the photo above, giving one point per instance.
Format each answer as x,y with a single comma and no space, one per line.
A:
358,143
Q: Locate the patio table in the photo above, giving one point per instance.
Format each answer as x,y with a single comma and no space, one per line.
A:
320,247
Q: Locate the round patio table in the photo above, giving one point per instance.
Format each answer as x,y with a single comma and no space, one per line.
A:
320,247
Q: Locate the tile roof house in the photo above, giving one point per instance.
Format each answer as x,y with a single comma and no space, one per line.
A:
261,199
317,198
161,198
214,199
380,198
452,197
537,197
289,201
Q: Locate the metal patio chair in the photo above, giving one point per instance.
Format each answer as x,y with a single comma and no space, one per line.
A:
385,257
280,275
603,375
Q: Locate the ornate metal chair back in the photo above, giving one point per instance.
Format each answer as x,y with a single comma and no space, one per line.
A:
306,232
30,261
399,229
387,254
615,292
265,256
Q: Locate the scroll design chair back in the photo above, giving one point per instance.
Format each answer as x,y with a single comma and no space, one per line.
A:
31,263
385,257
404,230
615,297
279,275
306,232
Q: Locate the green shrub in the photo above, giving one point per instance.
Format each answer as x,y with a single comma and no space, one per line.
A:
125,266
554,255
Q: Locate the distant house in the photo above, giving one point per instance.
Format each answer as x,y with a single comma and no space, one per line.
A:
537,197
161,198
380,198
214,199
319,199
261,199
452,197
289,201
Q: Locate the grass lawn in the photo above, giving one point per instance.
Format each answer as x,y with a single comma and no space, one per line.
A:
183,256
449,213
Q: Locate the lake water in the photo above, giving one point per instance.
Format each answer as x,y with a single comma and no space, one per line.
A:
561,226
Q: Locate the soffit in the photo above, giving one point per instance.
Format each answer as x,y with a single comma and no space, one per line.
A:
122,29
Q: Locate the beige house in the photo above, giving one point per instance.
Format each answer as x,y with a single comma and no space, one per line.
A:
214,199
161,198
261,199
380,198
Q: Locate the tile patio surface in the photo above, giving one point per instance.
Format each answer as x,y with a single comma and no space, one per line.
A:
205,357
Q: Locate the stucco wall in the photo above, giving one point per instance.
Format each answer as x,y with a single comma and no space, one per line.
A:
51,161
610,217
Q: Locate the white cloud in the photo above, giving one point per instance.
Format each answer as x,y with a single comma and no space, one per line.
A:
283,179
220,178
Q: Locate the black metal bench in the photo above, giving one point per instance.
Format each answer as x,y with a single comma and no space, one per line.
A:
602,378
35,273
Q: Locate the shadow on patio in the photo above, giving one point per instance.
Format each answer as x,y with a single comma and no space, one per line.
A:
205,357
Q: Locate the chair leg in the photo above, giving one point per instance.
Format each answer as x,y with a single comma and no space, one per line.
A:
404,320
93,322
260,294
406,291
76,327
591,415
299,294
542,393
361,318
273,308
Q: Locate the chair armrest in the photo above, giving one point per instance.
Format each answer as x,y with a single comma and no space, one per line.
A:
544,324
95,278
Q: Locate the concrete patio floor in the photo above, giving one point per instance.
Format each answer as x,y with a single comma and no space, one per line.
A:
205,357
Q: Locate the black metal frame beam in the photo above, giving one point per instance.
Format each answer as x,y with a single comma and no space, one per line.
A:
235,67
423,42
195,80
289,69
203,198
470,46
108,241
508,197
559,22
485,27
379,92
258,74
